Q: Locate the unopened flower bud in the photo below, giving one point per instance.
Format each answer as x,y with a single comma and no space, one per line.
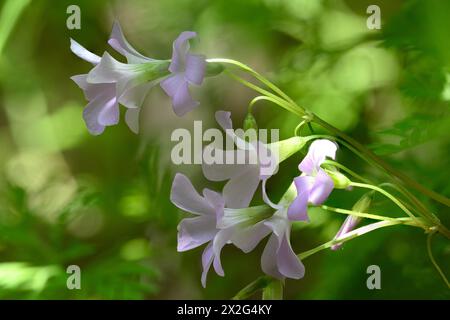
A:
250,122
340,180
362,205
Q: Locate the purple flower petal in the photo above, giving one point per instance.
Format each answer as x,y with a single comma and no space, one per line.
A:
132,119
171,84
182,100
318,151
289,265
185,197
239,190
269,258
321,189
278,259
91,91
247,239
298,208
177,88
221,238
103,107
207,260
195,68
109,70
180,49
223,118
120,44
81,81
83,53
216,201
193,232
134,96
109,114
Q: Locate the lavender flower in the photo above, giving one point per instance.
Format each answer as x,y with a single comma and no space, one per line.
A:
194,232
261,162
111,82
102,109
186,68
217,225
314,185
278,259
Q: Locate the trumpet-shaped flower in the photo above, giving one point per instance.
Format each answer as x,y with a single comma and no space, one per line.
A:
251,225
314,185
201,229
111,82
216,225
102,109
278,258
186,69
261,162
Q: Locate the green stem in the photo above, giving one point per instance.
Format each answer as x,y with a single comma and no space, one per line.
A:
298,127
259,98
413,200
282,103
430,254
371,216
256,75
273,291
253,287
356,233
350,172
385,193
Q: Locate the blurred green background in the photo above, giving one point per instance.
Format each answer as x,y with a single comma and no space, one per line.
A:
103,202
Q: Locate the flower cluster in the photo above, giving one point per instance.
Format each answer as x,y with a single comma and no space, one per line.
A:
227,217
112,82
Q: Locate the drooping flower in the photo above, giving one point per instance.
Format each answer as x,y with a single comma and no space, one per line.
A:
186,69
201,229
261,162
102,109
314,185
278,259
217,225
111,82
